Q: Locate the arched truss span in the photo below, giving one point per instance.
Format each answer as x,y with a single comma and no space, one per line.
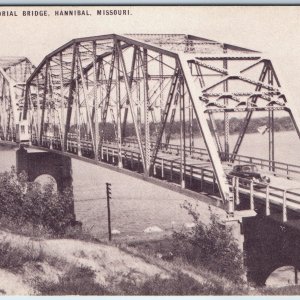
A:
112,88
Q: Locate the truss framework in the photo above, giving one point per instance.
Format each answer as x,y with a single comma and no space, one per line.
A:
93,89
14,71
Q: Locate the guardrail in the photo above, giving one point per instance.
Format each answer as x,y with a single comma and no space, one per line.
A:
274,167
284,198
203,177
277,168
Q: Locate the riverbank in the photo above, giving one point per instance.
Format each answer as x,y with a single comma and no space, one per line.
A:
65,266
44,266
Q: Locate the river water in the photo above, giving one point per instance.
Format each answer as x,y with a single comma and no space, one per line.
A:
135,206
287,146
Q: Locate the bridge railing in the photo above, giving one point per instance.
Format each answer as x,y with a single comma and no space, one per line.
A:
284,199
274,167
277,168
199,177
194,152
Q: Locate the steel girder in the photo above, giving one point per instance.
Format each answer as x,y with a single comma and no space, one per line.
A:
130,82
14,71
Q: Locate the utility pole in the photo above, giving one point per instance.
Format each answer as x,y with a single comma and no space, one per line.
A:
108,196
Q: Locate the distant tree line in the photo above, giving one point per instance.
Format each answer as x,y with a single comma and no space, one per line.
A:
235,125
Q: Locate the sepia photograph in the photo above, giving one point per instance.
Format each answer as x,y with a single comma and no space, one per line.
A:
149,150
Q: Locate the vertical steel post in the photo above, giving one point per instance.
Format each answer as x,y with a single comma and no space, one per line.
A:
146,113
118,103
161,95
284,209
202,180
251,195
96,102
191,177
268,200
237,192
62,104
45,91
271,141
226,117
70,97
191,131
138,90
38,109
182,133
30,115
271,129
78,127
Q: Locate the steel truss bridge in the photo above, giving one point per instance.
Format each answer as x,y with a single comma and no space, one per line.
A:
117,99
14,71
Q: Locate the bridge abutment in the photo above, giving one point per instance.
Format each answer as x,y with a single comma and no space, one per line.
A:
45,163
36,164
269,244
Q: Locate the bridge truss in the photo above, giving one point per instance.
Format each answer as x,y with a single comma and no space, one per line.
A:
14,71
114,89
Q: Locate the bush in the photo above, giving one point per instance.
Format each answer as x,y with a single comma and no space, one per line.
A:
178,284
13,259
212,246
28,202
76,281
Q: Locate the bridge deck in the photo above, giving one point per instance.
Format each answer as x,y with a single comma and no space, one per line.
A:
198,174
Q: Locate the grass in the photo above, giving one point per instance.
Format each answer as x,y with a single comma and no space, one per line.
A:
148,250
13,258
80,281
25,229
292,290
39,232
76,281
179,284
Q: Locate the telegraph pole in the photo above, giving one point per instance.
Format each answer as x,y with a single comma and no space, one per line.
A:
108,196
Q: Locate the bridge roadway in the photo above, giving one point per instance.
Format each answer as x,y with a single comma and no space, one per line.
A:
283,192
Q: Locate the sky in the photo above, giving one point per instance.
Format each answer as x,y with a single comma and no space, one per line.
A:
273,30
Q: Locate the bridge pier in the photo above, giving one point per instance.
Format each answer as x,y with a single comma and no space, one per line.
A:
269,244
45,163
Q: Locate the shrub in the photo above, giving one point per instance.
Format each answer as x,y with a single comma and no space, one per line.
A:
13,259
178,284
212,246
28,202
76,281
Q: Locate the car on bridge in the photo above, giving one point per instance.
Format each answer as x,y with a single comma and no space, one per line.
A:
249,172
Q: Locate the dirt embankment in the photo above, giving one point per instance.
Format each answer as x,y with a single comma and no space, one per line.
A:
50,258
